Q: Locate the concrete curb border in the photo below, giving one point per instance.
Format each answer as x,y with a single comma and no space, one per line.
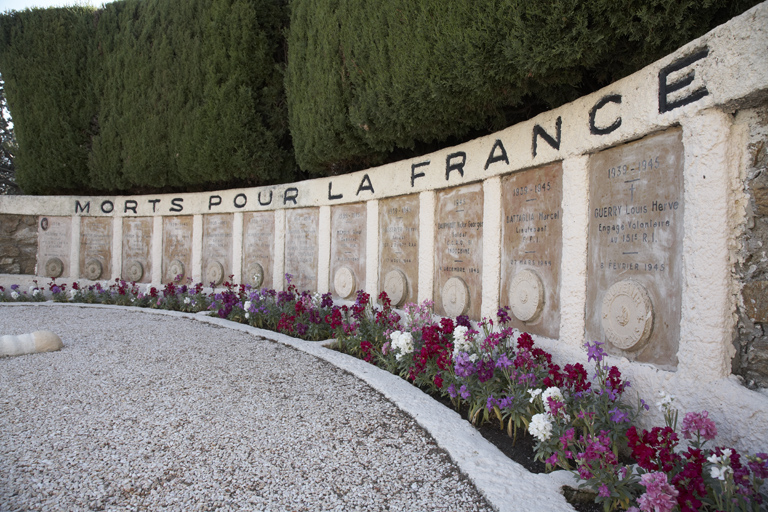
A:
506,485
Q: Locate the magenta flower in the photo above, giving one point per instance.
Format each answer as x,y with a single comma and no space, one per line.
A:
604,491
698,424
659,495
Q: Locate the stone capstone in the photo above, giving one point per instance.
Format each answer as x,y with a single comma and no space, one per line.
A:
36,342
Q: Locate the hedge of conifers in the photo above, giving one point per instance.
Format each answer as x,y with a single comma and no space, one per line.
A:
152,95
148,95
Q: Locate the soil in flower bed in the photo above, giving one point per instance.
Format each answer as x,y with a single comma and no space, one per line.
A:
521,451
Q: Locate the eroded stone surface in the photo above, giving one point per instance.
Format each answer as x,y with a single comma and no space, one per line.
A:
18,244
177,247
301,247
96,248
258,248
636,232
54,235
532,228
348,242
137,249
459,243
399,247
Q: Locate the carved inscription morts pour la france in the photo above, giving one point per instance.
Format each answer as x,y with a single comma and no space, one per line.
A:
459,251
634,272
531,248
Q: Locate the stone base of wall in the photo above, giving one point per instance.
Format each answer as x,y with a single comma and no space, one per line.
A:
18,244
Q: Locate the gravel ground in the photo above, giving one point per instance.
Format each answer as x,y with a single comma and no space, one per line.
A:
147,412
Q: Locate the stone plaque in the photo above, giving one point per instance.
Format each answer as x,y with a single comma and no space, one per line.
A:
348,237
634,269
96,248
217,248
53,247
137,249
177,248
258,248
459,249
532,248
399,248
301,250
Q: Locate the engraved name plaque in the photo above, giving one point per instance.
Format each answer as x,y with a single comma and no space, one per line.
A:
258,248
53,246
95,247
348,237
301,247
459,250
137,249
217,248
177,248
634,274
399,248
532,248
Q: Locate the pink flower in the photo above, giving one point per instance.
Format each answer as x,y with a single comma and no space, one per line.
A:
699,424
659,495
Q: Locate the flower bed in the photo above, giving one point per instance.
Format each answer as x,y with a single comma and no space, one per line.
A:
581,422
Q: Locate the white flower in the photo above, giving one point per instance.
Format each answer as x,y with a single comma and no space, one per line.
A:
35,292
721,465
460,341
402,342
14,295
554,393
665,401
473,357
247,306
72,293
540,427
32,289
187,300
534,393
247,315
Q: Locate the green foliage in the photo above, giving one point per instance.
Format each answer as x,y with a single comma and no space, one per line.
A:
197,82
148,95
43,58
367,78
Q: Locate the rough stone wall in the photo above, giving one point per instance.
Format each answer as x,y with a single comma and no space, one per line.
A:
18,244
751,361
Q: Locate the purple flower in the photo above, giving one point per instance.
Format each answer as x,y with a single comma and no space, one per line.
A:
485,370
552,460
490,403
55,289
645,405
618,416
503,315
452,391
464,392
463,320
327,300
503,362
14,287
604,491
595,351
506,402
463,366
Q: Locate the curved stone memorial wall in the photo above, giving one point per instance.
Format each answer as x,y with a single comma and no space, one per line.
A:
616,218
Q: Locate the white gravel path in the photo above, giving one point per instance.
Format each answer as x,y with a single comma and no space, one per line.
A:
142,411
